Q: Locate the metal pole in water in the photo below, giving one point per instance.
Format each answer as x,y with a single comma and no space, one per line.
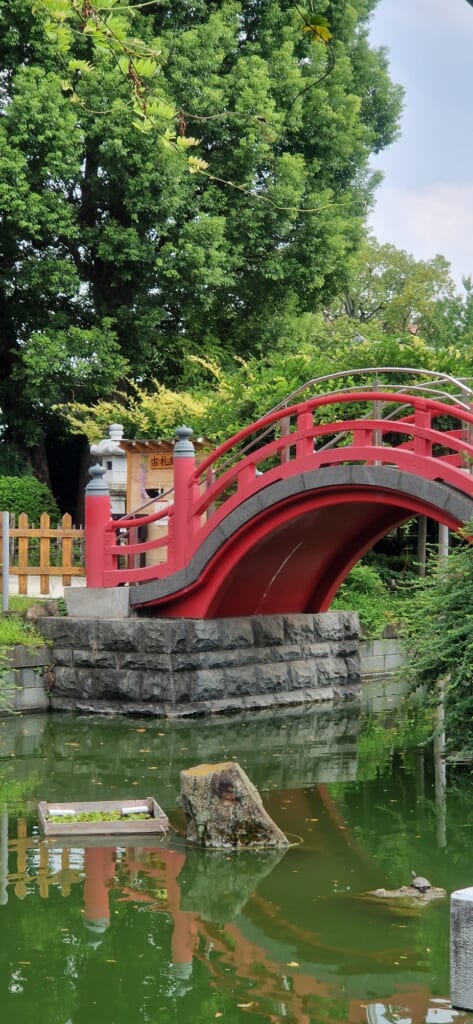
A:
5,559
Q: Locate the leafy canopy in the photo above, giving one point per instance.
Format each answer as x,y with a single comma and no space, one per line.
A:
116,263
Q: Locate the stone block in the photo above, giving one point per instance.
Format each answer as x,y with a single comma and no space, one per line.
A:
239,681
344,648
461,949
91,658
64,632
393,662
123,685
192,661
218,659
206,685
271,678
268,630
32,699
336,625
353,665
98,603
204,635
62,656
163,636
373,665
299,628
28,657
331,672
71,682
277,654
215,634
303,673
316,650
157,686
381,647
109,635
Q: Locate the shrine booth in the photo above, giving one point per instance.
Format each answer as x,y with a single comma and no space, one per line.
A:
140,475
149,475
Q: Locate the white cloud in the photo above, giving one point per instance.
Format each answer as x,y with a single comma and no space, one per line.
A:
426,221
438,17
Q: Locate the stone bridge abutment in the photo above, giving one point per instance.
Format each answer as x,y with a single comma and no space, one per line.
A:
185,667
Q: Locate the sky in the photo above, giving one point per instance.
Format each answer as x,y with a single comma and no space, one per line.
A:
425,204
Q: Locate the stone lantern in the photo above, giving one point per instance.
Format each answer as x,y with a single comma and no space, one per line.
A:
114,460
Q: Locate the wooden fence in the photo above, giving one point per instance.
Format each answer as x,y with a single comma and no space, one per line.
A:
31,869
45,551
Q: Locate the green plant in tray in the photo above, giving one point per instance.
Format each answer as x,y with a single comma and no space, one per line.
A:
97,816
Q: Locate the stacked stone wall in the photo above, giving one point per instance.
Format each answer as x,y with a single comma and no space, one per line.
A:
191,666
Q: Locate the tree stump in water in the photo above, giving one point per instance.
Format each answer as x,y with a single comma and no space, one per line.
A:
224,810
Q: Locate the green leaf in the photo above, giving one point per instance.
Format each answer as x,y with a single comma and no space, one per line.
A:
187,141
145,67
80,65
319,31
196,164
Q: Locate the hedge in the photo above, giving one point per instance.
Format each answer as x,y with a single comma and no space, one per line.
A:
26,494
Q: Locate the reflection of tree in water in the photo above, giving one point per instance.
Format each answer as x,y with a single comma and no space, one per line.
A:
226,937
288,747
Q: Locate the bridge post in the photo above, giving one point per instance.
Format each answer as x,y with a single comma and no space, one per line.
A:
184,467
97,515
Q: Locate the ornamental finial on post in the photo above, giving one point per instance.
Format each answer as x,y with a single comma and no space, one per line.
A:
183,447
97,486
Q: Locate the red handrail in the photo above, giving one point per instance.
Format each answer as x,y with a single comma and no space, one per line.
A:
411,443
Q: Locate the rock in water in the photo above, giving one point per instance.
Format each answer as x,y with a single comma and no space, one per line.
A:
224,810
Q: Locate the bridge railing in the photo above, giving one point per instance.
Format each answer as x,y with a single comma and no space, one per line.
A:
426,428
374,425
400,380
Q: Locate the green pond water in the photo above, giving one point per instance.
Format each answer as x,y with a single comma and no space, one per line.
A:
158,931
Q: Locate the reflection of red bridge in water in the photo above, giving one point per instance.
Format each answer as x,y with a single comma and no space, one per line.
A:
334,963
275,518
299,972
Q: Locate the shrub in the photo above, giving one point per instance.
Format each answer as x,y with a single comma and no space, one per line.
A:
438,637
363,591
27,494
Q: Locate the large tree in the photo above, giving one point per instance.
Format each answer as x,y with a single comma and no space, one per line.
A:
389,288
113,258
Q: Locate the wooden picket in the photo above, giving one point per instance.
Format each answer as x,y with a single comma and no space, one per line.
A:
68,556
42,874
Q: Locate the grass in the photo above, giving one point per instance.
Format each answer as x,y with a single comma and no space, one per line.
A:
97,816
20,604
14,630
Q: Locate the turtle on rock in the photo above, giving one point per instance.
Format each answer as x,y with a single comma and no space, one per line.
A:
421,884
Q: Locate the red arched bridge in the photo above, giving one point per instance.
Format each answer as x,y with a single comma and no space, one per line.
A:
274,519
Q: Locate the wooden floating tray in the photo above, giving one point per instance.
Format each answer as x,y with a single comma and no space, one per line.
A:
157,822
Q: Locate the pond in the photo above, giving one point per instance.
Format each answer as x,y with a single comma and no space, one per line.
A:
161,932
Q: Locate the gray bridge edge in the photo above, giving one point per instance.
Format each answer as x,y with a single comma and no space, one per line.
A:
438,496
